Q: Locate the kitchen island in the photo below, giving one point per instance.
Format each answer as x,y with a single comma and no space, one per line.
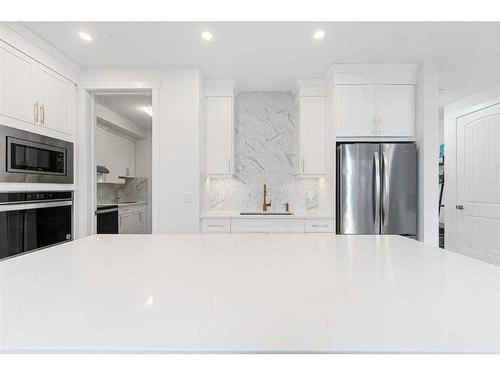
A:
248,293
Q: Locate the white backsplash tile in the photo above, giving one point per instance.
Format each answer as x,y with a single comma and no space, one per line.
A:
266,148
133,190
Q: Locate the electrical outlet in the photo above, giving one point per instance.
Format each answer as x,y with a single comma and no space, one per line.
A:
187,197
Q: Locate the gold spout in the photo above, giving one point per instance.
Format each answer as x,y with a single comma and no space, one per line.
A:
265,205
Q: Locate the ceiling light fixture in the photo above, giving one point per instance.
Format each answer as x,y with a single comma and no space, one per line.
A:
319,34
85,36
207,35
148,110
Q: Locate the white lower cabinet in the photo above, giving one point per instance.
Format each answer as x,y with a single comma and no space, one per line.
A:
216,226
319,226
267,225
132,219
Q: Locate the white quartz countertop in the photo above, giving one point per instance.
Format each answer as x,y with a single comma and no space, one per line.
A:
237,215
248,293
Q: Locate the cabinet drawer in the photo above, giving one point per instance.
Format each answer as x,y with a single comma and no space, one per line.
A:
267,226
319,225
215,226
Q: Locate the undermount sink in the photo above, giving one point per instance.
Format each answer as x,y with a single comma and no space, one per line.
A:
267,213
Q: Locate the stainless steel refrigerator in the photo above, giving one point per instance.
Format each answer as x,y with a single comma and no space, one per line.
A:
377,188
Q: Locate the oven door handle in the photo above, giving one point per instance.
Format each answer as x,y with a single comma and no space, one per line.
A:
33,206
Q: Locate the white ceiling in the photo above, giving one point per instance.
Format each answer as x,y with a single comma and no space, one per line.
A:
128,106
272,55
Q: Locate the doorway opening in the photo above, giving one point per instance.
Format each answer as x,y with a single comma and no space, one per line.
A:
123,153
117,193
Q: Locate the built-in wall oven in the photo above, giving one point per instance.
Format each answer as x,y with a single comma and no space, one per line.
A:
34,220
30,157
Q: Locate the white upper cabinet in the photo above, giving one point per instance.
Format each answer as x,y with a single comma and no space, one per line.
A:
116,153
55,97
395,110
355,110
375,110
17,85
34,94
312,135
219,135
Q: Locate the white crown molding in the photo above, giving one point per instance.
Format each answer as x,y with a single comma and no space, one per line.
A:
24,40
345,74
222,87
311,87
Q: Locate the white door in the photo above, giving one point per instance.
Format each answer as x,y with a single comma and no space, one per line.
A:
17,85
355,110
219,135
395,110
312,135
55,97
478,184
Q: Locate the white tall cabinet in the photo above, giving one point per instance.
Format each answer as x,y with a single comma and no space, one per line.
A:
219,127
312,135
219,122
381,110
31,93
310,98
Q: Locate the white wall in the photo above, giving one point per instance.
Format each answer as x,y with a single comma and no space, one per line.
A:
177,141
427,139
143,168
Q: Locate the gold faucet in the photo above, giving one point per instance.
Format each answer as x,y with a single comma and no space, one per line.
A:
265,205
287,206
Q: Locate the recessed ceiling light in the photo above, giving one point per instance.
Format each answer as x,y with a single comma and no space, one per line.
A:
319,34
148,110
85,36
207,35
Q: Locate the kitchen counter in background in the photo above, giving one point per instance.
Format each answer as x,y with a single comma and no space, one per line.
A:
248,293
120,204
236,215
233,222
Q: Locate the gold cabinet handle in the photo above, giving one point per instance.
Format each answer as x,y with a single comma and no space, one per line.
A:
35,110
42,114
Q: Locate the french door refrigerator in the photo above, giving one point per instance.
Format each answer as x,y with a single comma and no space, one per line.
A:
377,188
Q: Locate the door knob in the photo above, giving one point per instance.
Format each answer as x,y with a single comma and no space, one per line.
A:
459,206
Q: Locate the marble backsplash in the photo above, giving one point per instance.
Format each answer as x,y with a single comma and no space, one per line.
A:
133,190
266,150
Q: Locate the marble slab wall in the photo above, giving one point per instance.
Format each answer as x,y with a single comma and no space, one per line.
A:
266,150
133,190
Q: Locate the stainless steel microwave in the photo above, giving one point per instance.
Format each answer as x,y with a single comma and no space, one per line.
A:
30,157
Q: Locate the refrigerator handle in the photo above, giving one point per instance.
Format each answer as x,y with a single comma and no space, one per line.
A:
376,188
385,192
